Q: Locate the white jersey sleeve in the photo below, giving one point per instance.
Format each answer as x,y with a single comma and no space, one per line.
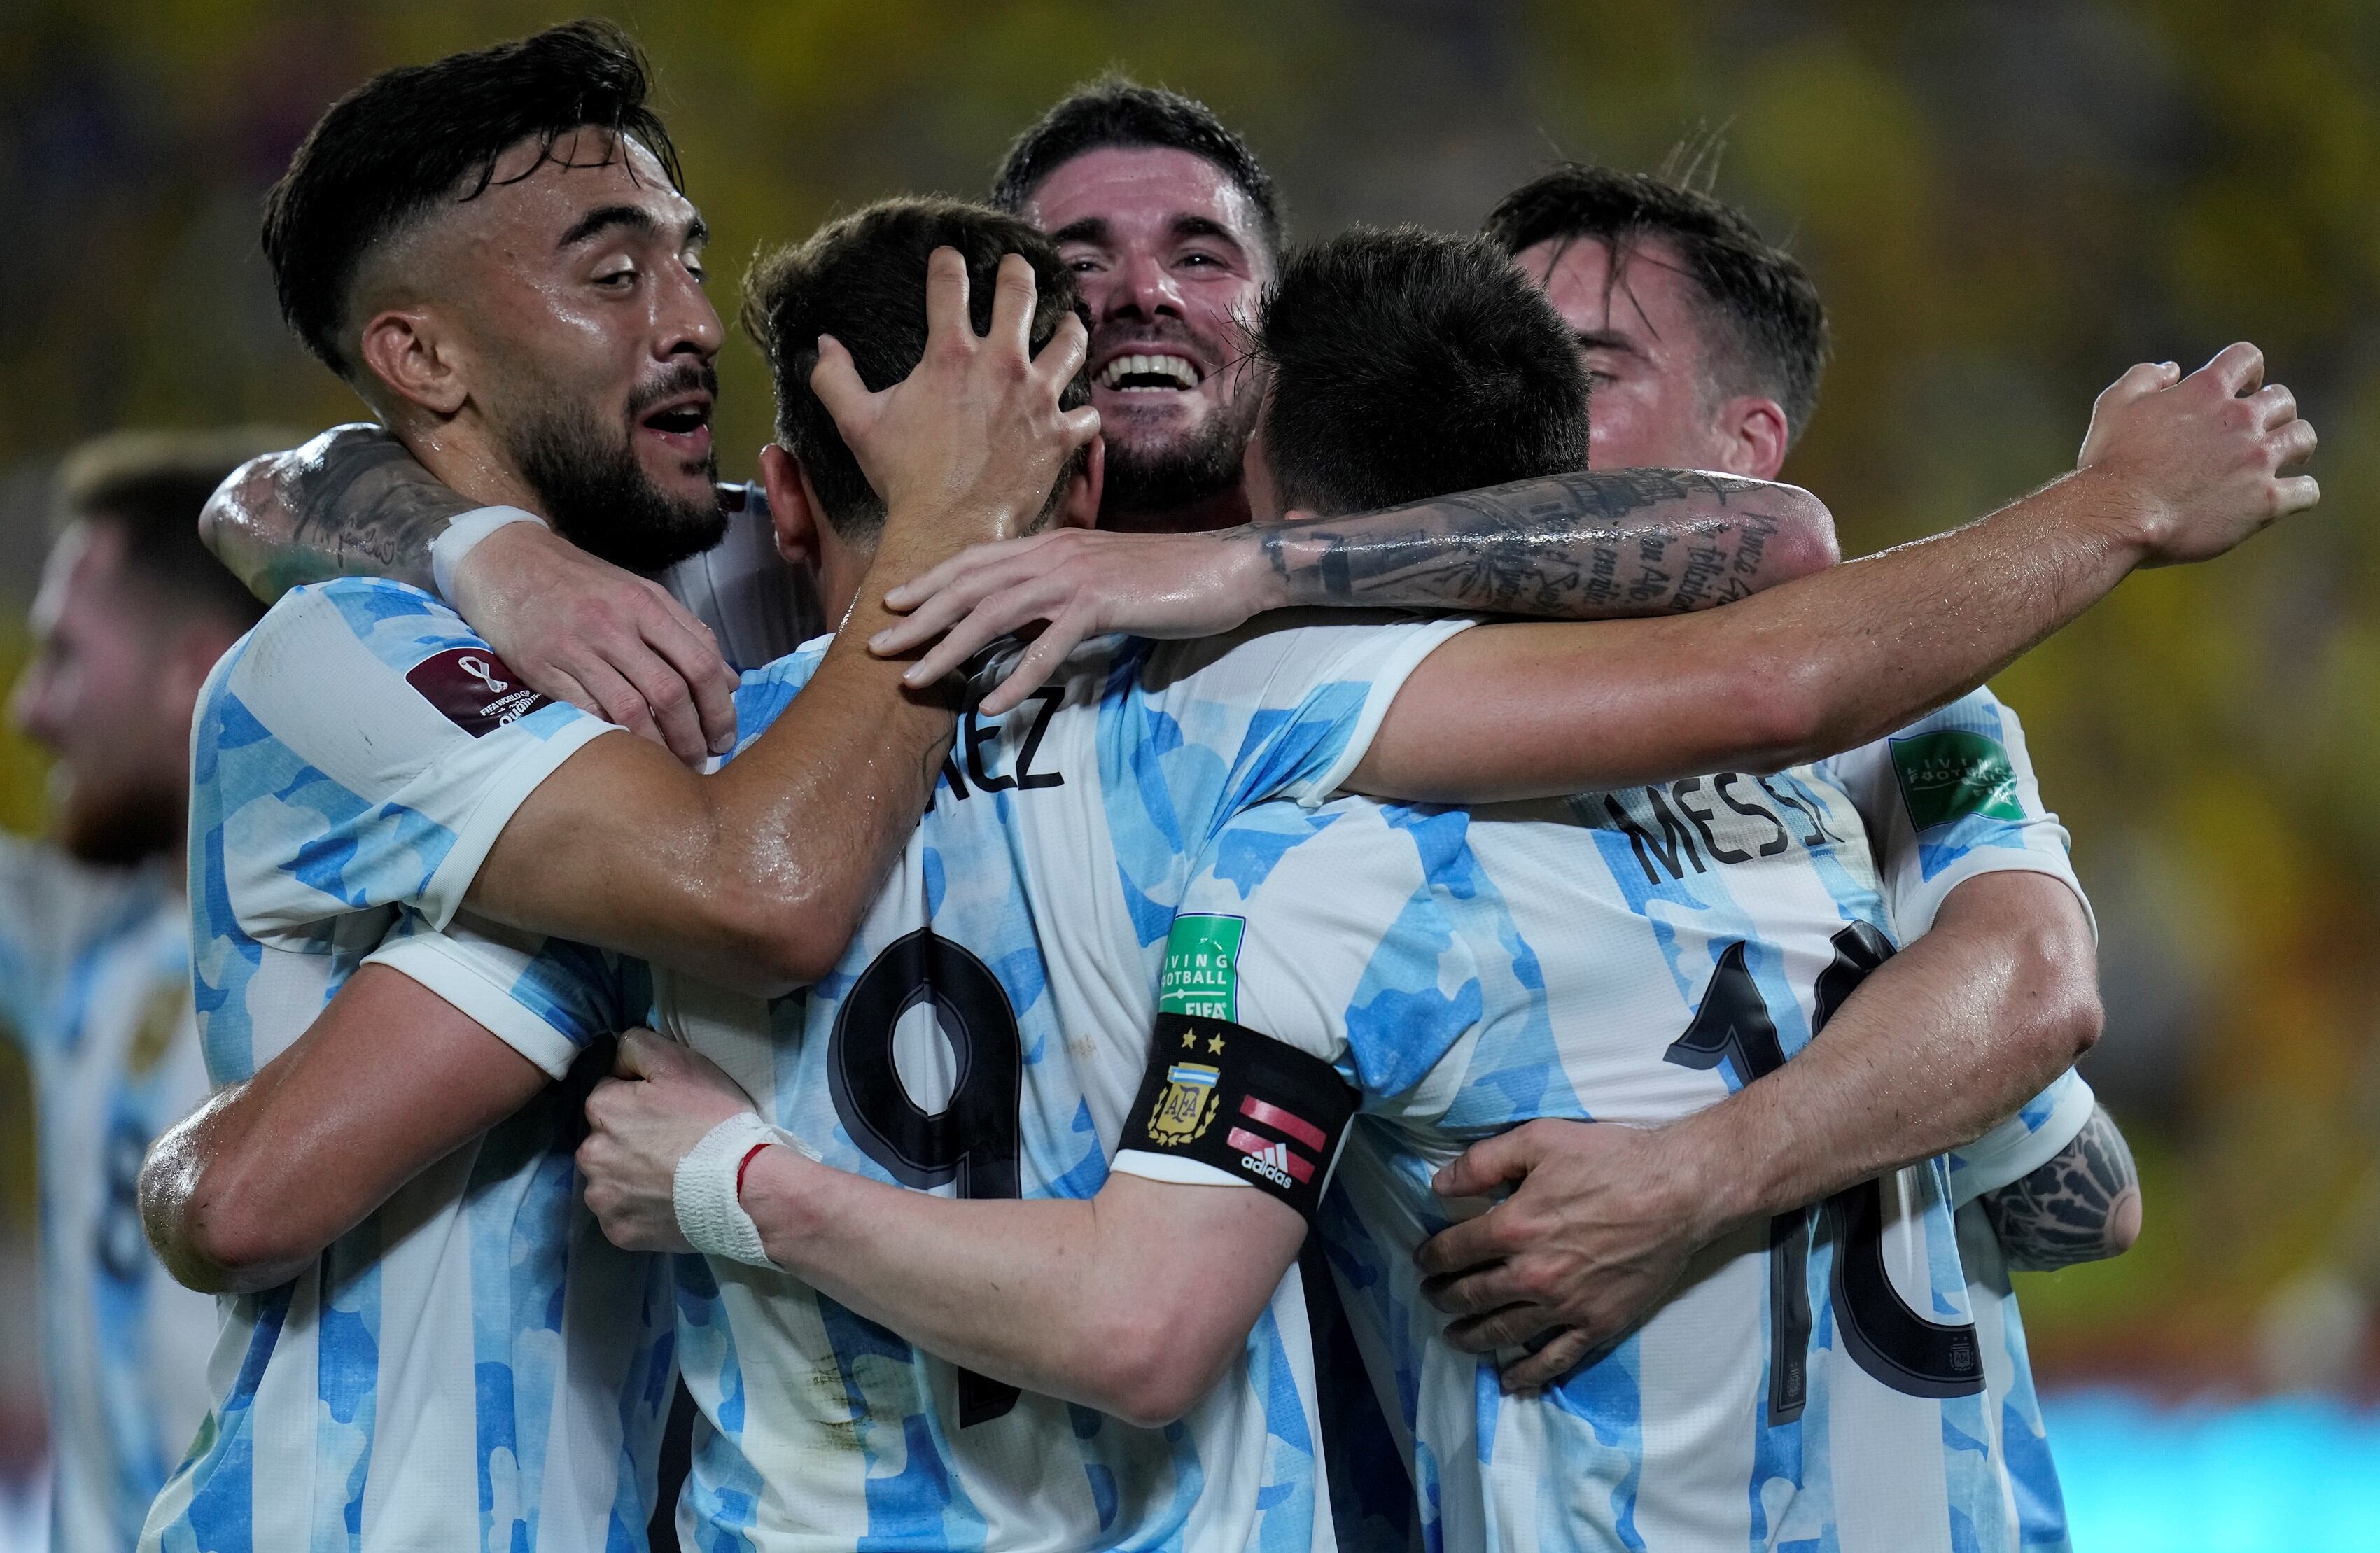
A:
369,747
2024,1143
545,998
1948,798
1292,701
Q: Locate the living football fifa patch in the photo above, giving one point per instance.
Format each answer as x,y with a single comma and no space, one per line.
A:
1951,773
1241,1101
475,689
1202,966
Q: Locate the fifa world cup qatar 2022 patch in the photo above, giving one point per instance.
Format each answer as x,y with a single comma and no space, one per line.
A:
1251,1106
475,689
1949,774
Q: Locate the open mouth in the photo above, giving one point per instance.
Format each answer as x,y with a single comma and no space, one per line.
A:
1132,373
682,420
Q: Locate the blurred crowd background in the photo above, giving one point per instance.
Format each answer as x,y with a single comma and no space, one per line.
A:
2004,204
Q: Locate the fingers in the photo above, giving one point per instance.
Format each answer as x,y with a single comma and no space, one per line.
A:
2293,443
838,385
975,557
1034,669
1489,1164
947,324
988,622
2295,493
2237,368
1508,1328
1012,295
1065,352
2272,406
1484,1287
616,701
692,653
640,1054
668,702
2147,377
1459,1247
1534,1372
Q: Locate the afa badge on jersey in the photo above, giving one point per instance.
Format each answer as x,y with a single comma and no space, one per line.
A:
1951,773
1188,1104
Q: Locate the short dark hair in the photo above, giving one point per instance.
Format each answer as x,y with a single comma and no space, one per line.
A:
1767,328
149,486
862,279
1406,364
410,138
1114,111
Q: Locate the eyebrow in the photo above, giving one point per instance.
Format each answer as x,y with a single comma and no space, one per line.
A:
1608,339
1089,229
1204,226
605,218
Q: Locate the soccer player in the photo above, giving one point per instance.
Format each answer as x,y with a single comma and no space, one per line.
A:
492,250
1390,353
94,955
1118,760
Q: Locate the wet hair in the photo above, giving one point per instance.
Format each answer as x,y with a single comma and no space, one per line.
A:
862,279
1114,111
409,140
148,487
1763,328
1406,364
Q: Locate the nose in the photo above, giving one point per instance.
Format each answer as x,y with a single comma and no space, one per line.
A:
1140,286
686,325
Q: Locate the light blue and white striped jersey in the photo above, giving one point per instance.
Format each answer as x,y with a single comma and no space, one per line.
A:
984,1035
1633,957
95,982
474,1367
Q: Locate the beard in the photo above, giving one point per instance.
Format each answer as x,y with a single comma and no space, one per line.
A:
597,493
120,825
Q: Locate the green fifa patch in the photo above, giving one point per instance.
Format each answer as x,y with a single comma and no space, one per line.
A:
1950,774
1202,967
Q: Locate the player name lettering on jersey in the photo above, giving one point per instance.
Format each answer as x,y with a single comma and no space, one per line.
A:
1730,818
978,739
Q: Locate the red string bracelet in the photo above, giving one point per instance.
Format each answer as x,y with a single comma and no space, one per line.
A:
750,1155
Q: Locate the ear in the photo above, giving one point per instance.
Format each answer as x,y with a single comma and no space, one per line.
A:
1079,508
793,506
405,349
1753,432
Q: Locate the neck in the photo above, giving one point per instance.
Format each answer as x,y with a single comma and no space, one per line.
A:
464,458
1225,509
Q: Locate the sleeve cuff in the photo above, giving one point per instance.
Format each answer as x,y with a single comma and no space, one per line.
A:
1182,1172
1978,1174
1387,679
449,971
1989,860
498,802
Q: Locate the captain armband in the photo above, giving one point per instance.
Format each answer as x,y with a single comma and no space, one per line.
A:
1237,1099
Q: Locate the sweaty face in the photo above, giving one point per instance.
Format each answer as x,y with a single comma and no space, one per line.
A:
1171,258
1643,351
595,346
94,695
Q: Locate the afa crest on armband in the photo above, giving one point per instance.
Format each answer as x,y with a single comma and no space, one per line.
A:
1189,1105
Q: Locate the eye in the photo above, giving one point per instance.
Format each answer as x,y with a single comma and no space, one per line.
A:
1599,380
694,267
1206,260
621,279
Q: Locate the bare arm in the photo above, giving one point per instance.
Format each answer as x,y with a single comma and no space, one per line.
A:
1945,1039
351,502
1586,546
2083,1206
245,1193
1133,1302
2186,471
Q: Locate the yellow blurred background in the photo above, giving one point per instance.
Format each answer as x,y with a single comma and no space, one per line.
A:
2004,204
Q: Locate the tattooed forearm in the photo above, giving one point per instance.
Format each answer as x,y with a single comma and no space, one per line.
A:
2083,1206
1585,546
351,502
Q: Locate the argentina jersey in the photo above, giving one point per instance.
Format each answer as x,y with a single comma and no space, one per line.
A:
1627,957
95,983
474,1366
983,1037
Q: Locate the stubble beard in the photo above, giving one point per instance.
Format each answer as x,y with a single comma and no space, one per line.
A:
599,497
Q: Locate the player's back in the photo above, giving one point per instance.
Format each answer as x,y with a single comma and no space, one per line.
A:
984,1035
1628,957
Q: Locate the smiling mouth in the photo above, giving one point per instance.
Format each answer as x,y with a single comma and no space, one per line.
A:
679,421
1151,373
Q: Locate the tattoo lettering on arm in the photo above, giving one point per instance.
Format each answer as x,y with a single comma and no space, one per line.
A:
2075,1207
351,502
1590,545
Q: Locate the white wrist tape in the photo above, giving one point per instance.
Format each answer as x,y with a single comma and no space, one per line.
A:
446,552
703,1189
